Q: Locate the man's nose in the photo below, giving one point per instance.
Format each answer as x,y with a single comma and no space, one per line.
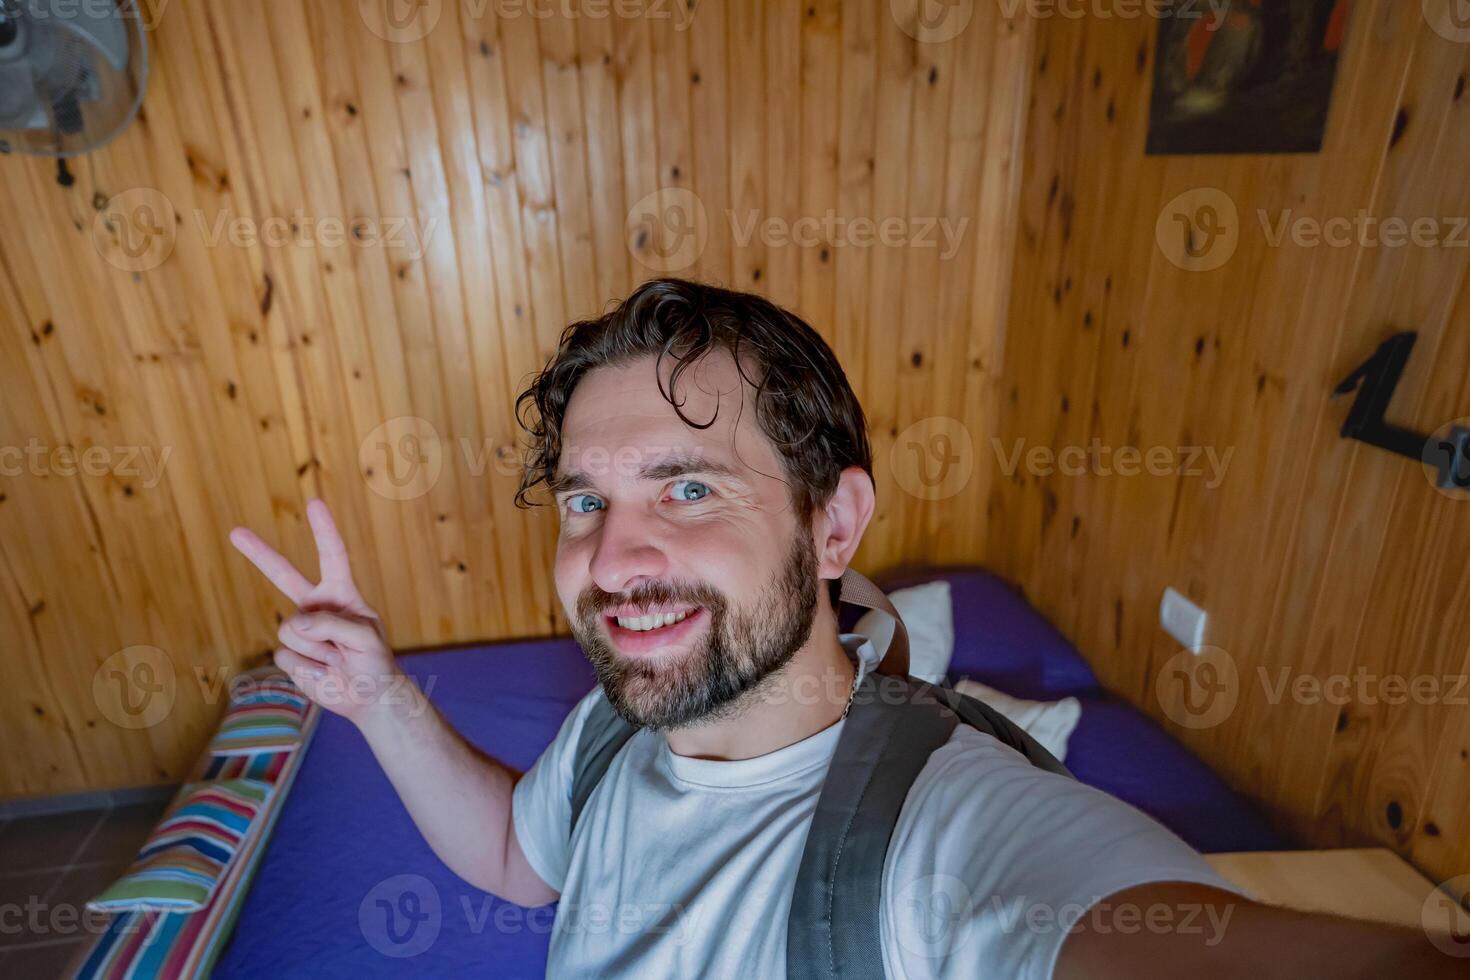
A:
628,551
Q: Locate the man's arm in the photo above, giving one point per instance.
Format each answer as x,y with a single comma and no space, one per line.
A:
336,650
459,797
1173,929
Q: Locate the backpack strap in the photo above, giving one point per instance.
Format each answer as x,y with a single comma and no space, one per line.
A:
604,733
895,723
858,591
834,927
977,714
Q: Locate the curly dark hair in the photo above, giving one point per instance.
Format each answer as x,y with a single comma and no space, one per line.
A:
804,404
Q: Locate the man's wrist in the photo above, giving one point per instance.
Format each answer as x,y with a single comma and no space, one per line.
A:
394,711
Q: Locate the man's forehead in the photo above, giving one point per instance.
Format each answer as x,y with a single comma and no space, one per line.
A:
618,412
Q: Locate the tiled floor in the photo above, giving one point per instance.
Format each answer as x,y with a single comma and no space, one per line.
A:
49,867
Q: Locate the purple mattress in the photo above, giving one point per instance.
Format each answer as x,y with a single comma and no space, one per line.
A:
347,886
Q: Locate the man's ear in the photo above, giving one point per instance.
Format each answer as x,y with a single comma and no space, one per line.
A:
843,521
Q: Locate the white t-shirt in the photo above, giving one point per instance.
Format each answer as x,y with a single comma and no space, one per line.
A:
685,867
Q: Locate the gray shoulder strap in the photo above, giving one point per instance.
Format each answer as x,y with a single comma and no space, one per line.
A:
978,714
834,927
604,732
895,723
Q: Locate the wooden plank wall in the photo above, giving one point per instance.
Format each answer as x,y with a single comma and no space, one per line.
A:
189,291
1316,557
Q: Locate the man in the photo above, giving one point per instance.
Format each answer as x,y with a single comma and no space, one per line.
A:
712,473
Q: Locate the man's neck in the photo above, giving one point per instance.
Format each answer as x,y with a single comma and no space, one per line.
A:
807,696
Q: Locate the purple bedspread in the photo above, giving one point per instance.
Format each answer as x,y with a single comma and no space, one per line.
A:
348,888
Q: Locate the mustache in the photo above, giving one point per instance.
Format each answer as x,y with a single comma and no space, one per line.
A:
594,600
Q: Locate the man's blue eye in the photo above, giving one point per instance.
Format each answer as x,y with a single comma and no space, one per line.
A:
700,493
574,503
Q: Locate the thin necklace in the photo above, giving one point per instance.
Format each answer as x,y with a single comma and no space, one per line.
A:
857,676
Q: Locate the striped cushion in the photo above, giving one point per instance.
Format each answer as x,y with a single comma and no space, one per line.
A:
184,945
183,860
261,683
265,715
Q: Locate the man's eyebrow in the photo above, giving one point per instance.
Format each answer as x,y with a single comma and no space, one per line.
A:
665,468
567,482
683,465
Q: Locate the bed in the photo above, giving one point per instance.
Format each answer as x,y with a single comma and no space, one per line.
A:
346,876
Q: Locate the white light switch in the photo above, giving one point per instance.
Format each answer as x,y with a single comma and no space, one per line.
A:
1183,620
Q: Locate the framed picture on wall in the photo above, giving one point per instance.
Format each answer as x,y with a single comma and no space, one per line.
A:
1245,76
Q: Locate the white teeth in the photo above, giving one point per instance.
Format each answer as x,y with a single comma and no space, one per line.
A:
644,623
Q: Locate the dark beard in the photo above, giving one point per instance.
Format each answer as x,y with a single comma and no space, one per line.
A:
741,647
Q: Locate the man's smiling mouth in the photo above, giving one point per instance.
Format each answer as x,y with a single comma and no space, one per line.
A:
635,632
654,621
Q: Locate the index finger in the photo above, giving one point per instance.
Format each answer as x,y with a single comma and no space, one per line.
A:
272,564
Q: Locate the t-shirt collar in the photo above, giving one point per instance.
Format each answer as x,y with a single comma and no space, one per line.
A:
812,751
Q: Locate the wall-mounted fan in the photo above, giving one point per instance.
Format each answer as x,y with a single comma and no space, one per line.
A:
72,74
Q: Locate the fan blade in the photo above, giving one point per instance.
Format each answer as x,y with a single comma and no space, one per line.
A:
100,25
20,104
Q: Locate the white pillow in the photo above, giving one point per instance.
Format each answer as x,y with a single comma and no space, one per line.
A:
926,614
1049,722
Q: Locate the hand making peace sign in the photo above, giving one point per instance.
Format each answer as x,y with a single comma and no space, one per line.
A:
335,647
